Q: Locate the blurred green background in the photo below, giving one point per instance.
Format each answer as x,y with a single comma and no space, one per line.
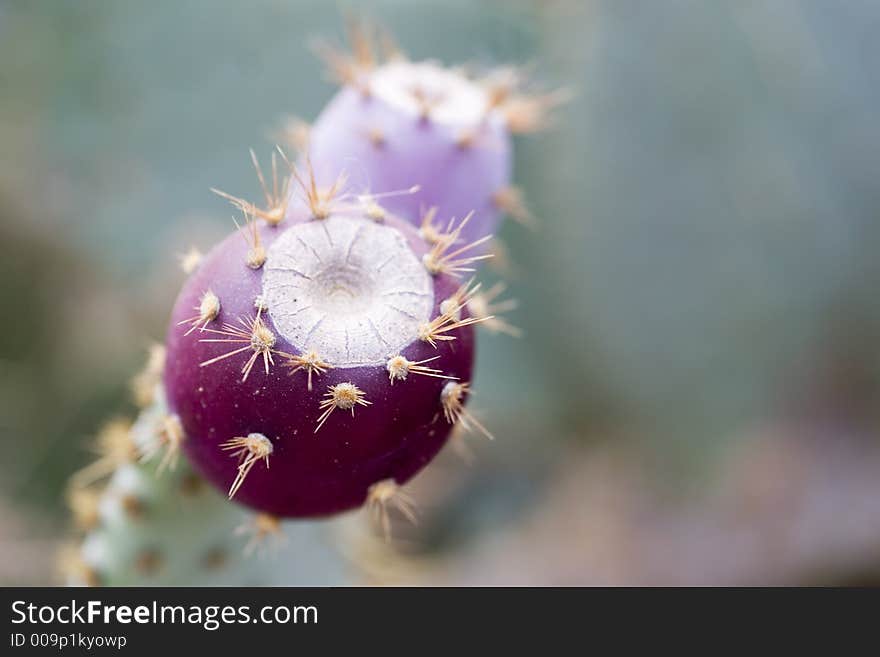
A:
695,397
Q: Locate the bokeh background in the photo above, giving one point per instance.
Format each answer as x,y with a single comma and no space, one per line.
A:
695,397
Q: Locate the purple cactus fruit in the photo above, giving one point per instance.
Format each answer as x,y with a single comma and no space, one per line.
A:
339,349
400,124
384,141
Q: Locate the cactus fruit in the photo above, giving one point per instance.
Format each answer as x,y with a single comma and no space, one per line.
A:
399,124
390,138
326,347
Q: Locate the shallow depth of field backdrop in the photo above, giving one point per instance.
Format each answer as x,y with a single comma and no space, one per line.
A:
695,397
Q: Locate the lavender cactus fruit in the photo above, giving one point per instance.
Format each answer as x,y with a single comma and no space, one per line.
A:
399,124
385,140
336,345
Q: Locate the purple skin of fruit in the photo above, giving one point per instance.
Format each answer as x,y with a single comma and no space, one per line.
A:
384,145
311,473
